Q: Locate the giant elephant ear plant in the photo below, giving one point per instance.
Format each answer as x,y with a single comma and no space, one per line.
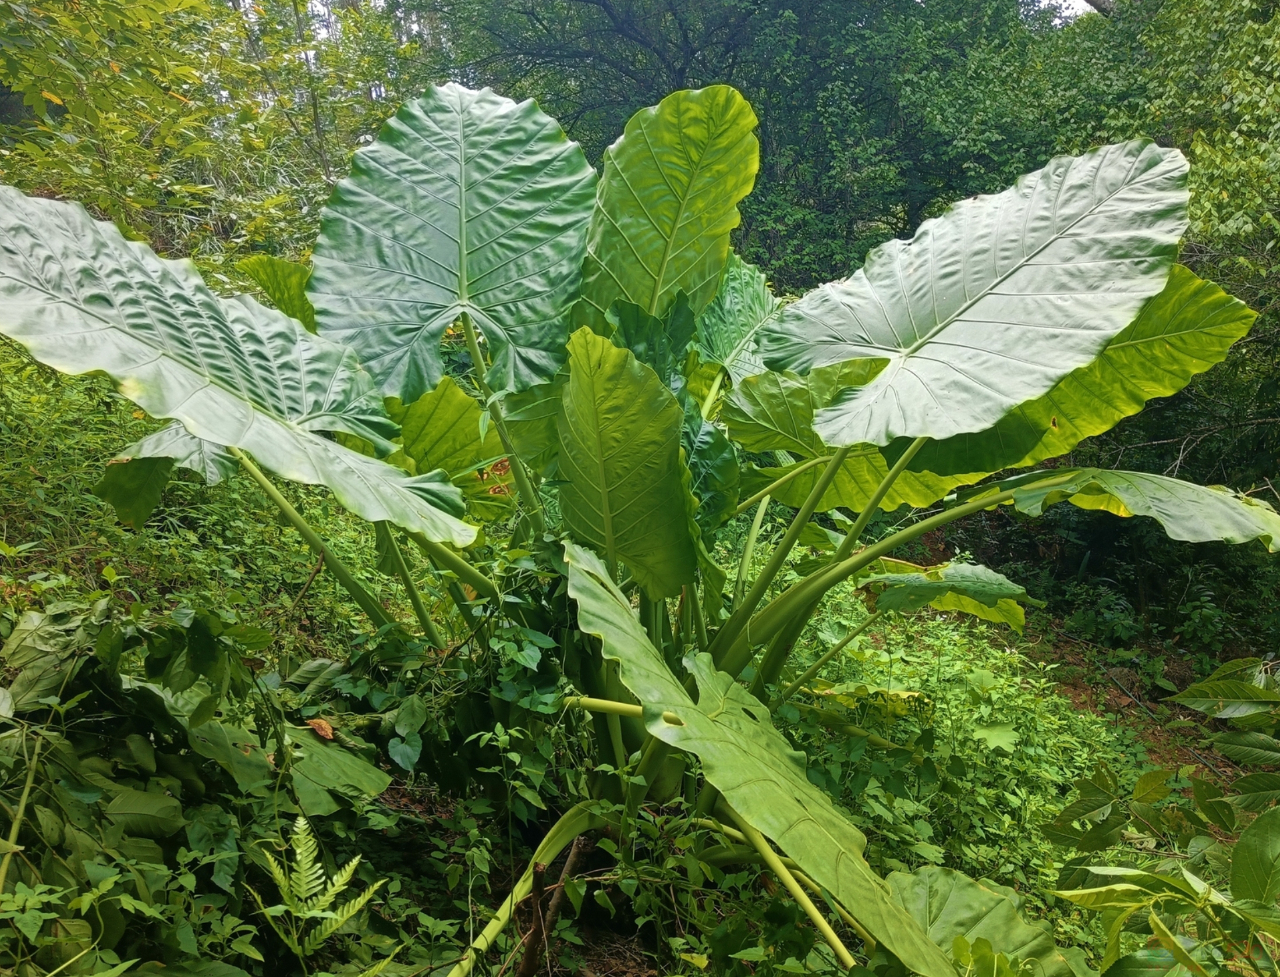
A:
618,348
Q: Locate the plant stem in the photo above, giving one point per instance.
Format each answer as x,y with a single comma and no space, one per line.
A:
817,666
748,551
797,891
773,487
524,485
339,569
447,559
16,828
877,497
740,619
575,821
801,594
608,706
775,657
415,598
699,624
710,400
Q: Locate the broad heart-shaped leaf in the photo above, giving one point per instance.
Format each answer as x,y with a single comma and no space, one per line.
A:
947,904
82,299
1183,331
467,204
146,814
667,202
135,478
774,412
285,283
990,305
727,327
713,465
1255,861
1195,513
531,423
749,762
441,430
963,587
623,485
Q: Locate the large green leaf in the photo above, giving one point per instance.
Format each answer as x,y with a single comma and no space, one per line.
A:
1228,699
1195,513
442,430
236,751
713,465
1183,331
1256,791
947,904
992,304
749,762
82,299
1243,747
659,342
775,411
623,484
963,587
1255,861
667,202
467,204
285,283
728,326
531,423
146,814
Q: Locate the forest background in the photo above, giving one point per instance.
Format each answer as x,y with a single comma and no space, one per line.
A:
216,131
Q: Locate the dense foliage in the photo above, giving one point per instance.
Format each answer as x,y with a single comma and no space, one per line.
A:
657,556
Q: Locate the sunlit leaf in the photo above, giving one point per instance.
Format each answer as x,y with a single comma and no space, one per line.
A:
992,304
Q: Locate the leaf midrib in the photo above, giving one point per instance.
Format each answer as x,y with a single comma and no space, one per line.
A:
1017,266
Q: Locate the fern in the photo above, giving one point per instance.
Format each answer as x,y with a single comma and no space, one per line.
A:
306,895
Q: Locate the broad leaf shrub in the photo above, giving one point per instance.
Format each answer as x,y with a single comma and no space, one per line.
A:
1008,329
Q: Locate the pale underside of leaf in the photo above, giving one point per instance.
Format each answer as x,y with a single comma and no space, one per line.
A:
949,904
990,305
749,761
1194,513
82,299
1179,333
468,203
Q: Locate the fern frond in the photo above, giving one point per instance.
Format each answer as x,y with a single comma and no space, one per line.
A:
381,965
343,913
308,872
285,936
336,885
281,879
